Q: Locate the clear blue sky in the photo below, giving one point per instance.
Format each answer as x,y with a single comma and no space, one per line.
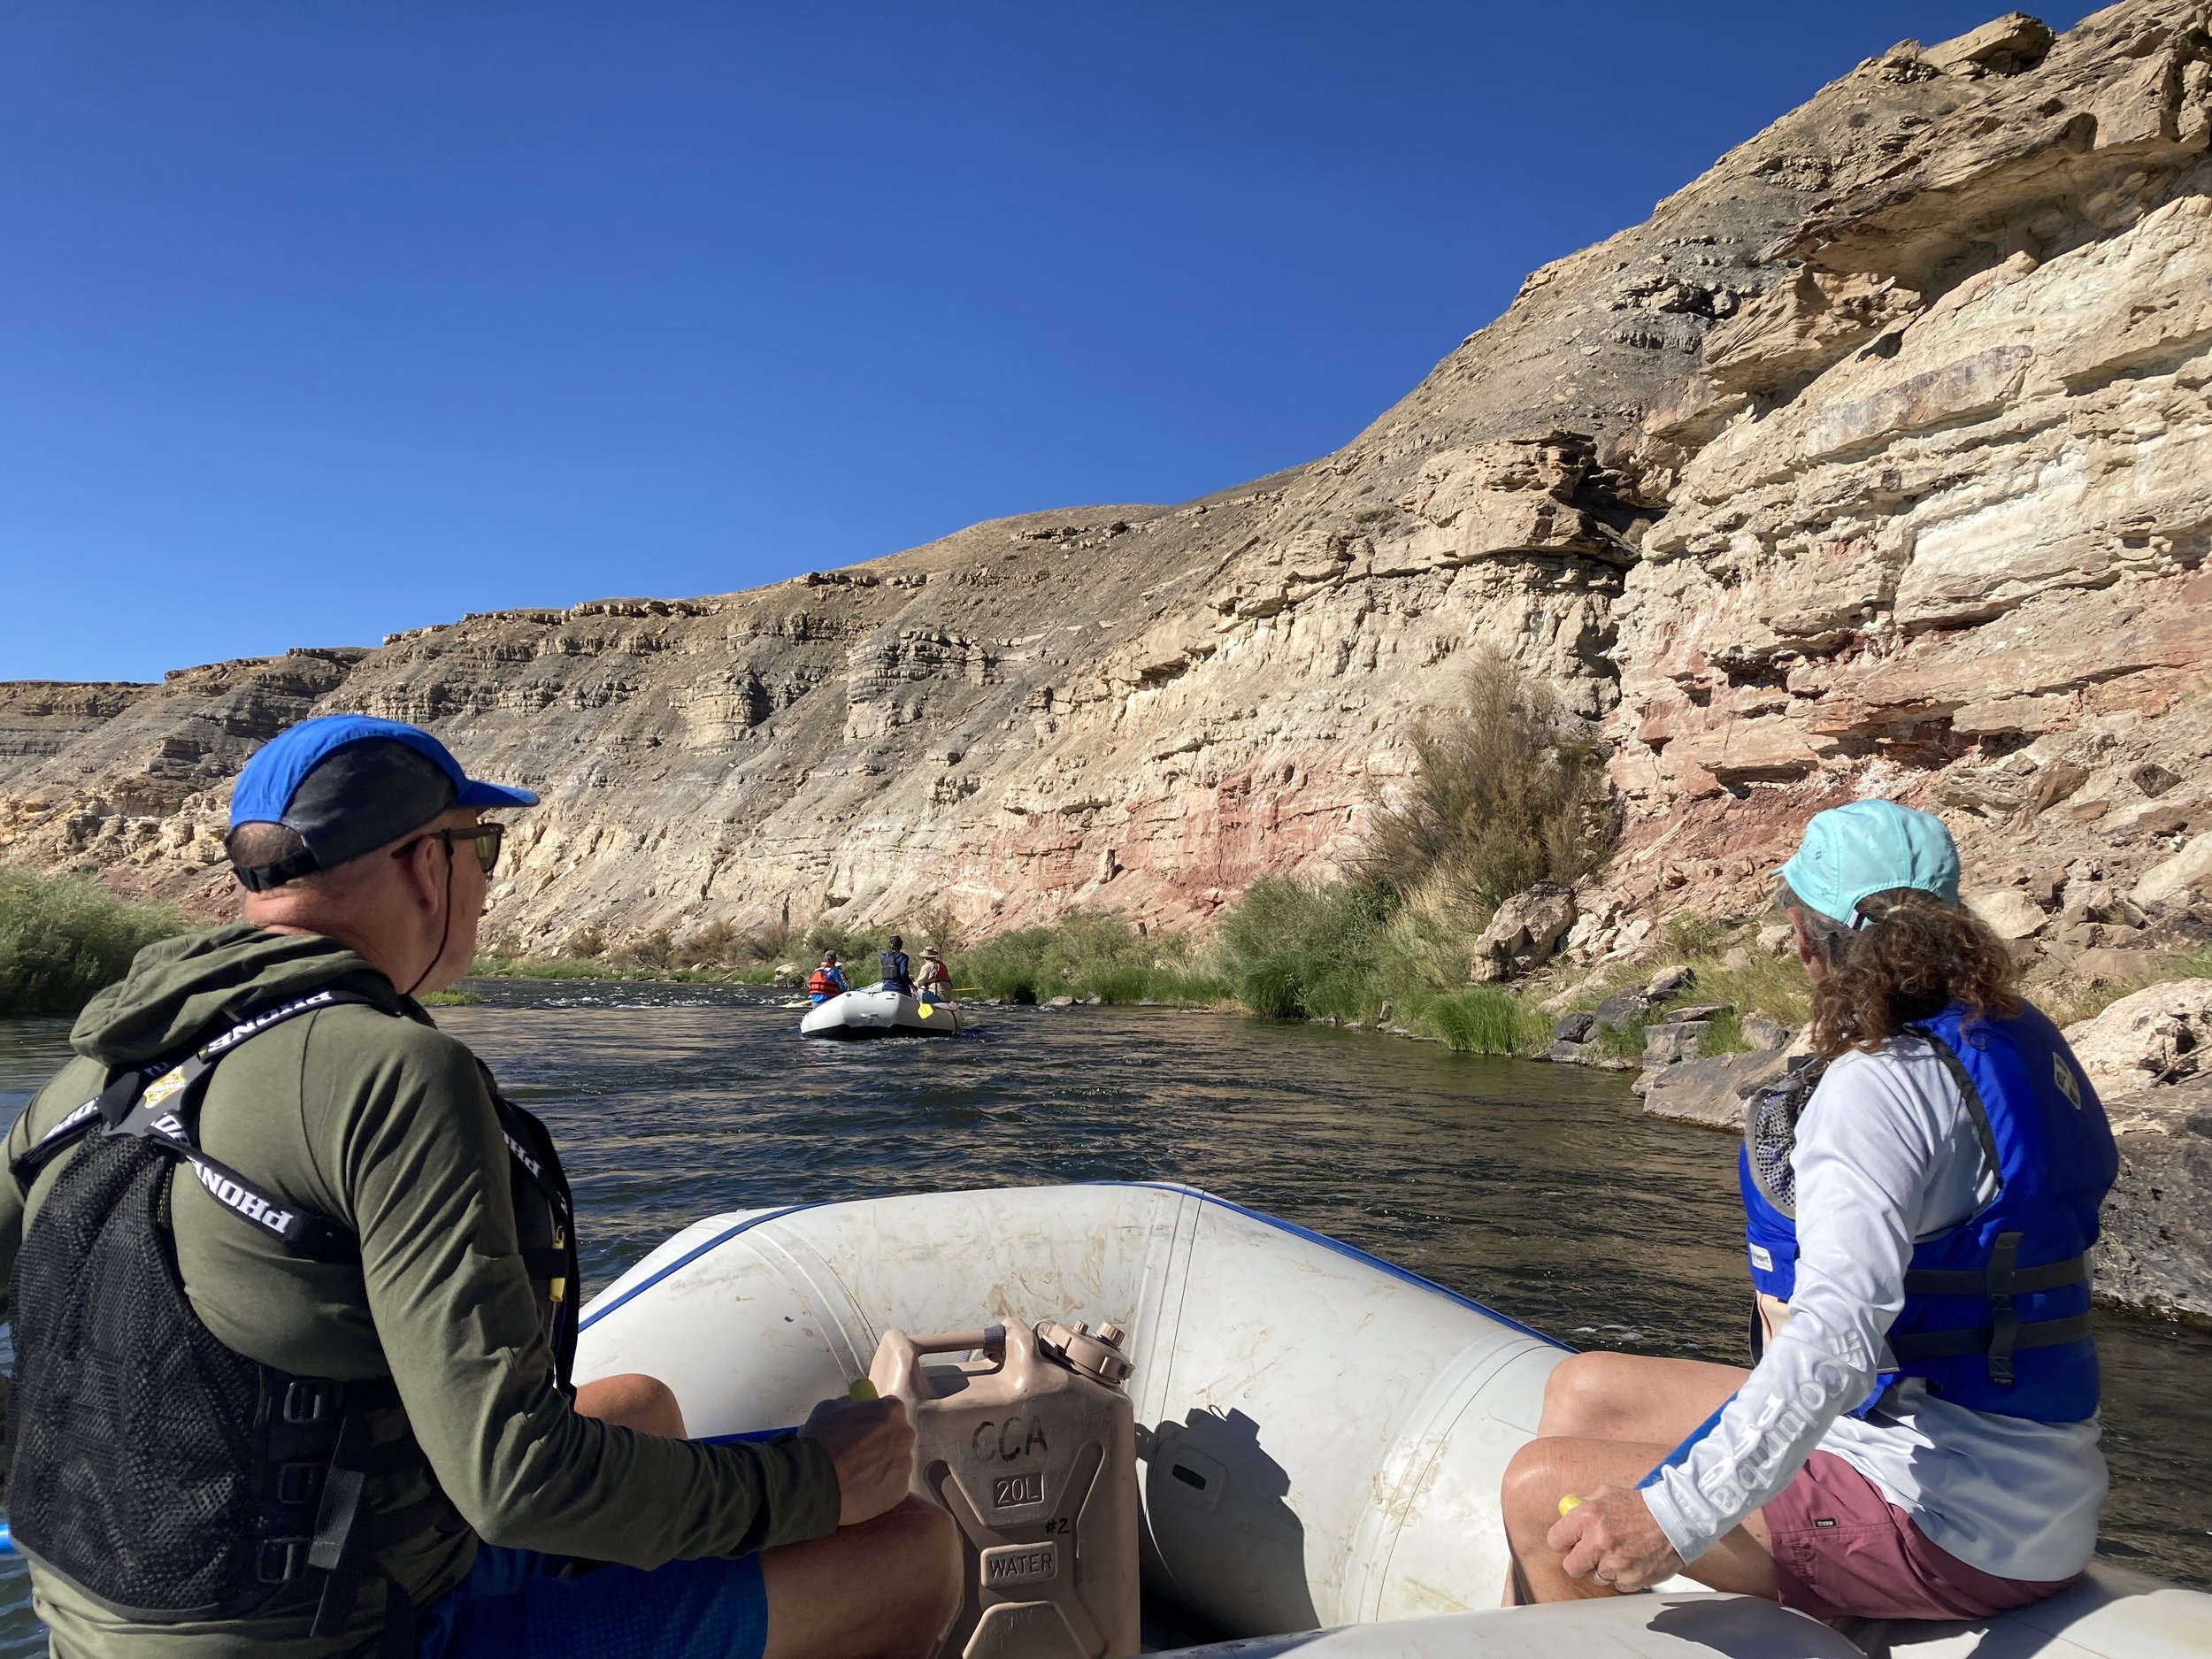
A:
321,318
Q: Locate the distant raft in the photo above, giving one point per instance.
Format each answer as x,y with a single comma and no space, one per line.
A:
874,1011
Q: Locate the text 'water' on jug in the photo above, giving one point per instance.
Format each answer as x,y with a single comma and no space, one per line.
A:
1028,1440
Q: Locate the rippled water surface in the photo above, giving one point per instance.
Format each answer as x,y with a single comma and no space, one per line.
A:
1541,1190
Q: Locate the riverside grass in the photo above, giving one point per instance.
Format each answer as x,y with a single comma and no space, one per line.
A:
1357,955
62,939
1084,955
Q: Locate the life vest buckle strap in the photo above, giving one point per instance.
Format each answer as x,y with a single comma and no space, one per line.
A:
2004,1334
101,1109
1958,1344
311,1400
282,1560
1924,1281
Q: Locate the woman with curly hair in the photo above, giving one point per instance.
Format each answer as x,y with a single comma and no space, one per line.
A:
1918,1436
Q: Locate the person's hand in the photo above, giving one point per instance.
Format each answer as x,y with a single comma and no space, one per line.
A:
1611,1537
873,1445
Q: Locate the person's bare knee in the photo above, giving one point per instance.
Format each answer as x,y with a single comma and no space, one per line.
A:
1567,1393
931,1542
633,1401
1584,1396
1631,1397
908,1559
1530,1493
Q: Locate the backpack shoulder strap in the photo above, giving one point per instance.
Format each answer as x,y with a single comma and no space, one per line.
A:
154,1104
110,1104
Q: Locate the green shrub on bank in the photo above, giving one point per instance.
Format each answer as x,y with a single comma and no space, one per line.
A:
853,945
1297,951
1504,795
1083,955
1625,1043
505,965
1723,1035
1480,1019
61,940
1354,953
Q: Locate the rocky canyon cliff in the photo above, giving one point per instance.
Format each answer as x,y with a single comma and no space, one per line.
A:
1878,460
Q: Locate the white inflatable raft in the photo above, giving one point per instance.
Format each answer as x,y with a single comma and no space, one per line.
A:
1322,1433
873,1011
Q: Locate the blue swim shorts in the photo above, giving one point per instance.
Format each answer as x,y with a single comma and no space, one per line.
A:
513,1605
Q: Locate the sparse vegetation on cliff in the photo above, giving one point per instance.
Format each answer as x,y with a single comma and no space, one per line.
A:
62,939
1504,795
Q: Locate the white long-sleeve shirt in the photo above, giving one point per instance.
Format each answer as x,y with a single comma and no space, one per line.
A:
1886,1155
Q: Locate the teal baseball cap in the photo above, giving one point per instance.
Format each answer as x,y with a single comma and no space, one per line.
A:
1871,847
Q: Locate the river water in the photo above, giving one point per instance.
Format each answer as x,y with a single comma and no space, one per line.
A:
1539,1190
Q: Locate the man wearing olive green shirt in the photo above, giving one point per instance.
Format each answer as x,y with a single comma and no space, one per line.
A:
333,1415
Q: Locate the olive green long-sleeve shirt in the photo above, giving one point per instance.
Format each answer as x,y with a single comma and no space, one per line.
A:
383,1123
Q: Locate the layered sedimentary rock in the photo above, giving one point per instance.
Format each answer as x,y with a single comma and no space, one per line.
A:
1874,462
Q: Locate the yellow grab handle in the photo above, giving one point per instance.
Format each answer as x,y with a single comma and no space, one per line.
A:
1570,1500
861,1389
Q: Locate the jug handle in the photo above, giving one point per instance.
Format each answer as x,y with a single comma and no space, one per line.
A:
893,1374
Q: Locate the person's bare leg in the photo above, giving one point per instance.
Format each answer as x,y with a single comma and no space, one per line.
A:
885,1589
1630,1397
634,1401
1544,1470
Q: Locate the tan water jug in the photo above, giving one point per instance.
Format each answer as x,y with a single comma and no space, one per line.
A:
1030,1441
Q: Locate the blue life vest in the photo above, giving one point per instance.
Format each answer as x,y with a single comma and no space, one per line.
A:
1996,1314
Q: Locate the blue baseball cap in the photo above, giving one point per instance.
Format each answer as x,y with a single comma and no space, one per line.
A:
347,784
1871,847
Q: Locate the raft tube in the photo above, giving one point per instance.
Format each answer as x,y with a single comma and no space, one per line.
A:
873,1011
1321,1433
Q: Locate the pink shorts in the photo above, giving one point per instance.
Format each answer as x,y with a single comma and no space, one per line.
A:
1842,1550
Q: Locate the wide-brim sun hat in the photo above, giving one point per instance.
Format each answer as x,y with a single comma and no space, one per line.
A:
349,783
1866,846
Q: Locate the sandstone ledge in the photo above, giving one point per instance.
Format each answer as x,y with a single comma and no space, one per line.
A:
1712,1093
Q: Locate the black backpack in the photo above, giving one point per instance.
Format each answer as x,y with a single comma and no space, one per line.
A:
160,1472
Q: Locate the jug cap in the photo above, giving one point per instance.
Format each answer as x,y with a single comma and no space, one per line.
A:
1094,1354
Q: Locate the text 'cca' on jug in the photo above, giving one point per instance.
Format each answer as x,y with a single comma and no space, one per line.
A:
1026,1437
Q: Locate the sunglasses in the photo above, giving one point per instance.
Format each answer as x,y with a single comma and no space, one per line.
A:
486,836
